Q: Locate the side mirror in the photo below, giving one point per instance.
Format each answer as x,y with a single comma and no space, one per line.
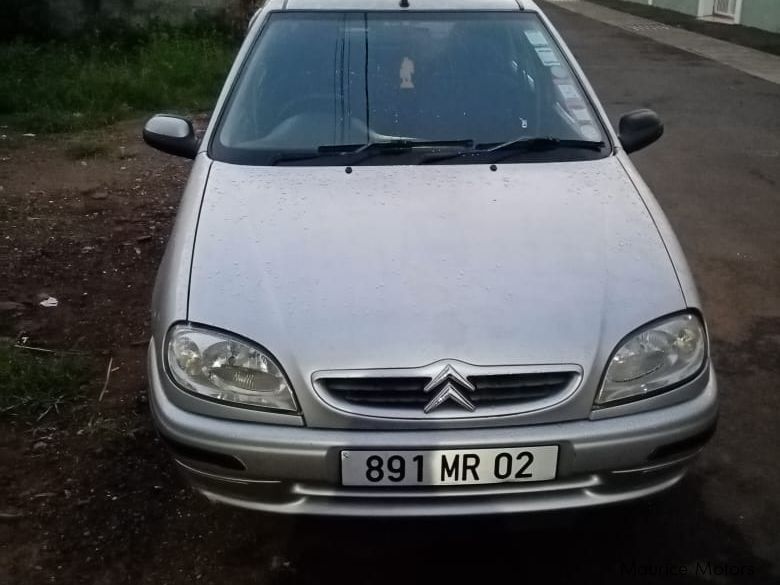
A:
639,129
172,135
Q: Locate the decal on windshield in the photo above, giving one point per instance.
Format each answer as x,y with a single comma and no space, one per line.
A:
407,70
542,48
536,38
547,55
589,132
559,72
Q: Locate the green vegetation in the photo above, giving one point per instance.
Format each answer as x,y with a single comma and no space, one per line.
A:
755,38
34,384
75,84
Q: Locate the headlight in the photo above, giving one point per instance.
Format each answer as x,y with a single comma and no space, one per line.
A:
659,356
221,367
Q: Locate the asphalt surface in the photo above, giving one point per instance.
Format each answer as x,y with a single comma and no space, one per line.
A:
716,173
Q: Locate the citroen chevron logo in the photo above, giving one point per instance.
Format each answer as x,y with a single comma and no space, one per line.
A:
449,390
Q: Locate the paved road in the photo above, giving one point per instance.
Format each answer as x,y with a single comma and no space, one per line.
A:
716,173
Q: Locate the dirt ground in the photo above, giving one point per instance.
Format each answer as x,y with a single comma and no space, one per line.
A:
90,496
90,231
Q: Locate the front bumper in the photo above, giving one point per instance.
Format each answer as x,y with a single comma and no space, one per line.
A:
292,469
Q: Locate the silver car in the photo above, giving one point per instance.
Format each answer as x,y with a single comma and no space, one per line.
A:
414,272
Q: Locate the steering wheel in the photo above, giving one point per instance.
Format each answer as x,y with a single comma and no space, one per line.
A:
297,105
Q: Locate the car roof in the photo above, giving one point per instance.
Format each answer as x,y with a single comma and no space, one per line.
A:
395,5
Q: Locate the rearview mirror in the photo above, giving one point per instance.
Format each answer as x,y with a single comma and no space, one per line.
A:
172,135
640,128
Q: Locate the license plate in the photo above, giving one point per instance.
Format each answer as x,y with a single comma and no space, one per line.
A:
450,467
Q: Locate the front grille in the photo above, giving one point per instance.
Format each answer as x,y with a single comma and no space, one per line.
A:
518,388
379,391
394,392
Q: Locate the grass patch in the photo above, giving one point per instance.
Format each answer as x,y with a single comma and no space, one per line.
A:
34,385
70,85
747,36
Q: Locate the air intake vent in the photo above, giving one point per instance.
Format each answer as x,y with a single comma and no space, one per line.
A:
392,395
379,391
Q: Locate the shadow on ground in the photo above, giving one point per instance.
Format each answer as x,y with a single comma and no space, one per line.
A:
667,539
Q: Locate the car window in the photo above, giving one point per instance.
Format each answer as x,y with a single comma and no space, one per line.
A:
330,79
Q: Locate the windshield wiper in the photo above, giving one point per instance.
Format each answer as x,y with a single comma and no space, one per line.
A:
542,143
434,158
295,157
539,143
512,147
395,145
411,143
398,145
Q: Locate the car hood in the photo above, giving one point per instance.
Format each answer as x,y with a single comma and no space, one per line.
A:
399,266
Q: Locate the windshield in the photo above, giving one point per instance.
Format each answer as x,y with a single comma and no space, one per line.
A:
317,86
